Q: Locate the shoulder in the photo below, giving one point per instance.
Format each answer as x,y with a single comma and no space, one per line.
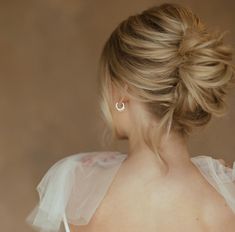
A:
81,162
218,214
85,160
194,198
212,189
74,186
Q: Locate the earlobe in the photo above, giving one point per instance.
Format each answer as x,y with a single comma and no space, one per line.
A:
120,97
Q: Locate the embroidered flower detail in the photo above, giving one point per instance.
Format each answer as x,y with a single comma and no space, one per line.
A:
87,160
107,158
102,159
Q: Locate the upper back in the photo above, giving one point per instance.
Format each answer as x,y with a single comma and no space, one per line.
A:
94,192
181,203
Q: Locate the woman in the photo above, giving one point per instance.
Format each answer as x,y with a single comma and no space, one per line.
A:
162,73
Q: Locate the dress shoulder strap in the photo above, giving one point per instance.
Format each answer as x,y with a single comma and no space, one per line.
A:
73,188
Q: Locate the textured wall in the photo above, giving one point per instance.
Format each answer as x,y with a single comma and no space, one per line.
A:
48,103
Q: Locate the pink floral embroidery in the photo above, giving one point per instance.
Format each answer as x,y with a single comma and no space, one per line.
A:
108,158
87,160
90,160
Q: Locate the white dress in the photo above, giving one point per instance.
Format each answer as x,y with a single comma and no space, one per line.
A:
72,188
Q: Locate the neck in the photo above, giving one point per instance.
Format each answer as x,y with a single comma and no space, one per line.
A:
172,154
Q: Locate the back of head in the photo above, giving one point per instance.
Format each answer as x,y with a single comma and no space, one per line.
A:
172,63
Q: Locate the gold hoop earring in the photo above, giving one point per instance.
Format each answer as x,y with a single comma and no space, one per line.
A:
120,108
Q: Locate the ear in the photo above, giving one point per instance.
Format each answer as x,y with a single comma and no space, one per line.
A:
123,96
120,95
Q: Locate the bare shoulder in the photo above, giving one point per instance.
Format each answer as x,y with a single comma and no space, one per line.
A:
219,216
215,212
192,202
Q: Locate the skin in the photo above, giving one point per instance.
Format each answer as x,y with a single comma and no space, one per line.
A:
156,196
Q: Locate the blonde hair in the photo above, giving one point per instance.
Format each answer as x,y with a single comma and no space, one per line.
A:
172,64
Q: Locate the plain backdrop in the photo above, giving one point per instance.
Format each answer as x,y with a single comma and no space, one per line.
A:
49,51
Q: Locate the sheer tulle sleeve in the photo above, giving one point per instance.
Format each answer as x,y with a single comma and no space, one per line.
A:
222,178
73,187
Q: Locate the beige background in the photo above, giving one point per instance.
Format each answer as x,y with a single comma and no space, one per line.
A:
48,91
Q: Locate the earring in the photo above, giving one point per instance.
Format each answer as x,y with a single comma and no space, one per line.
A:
121,108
